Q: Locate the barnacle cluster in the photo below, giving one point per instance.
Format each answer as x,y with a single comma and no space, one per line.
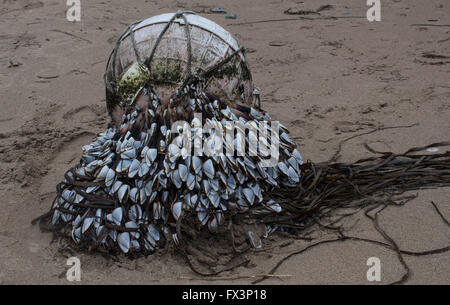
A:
133,181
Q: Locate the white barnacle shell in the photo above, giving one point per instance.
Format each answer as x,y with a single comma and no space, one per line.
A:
183,171
135,245
129,154
165,196
102,174
242,204
196,164
285,138
78,198
293,176
144,151
273,206
99,231
177,208
156,210
175,239
68,195
152,235
98,217
257,190
134,194
203,217
214,183
76,222
110,177
76,234
91,189
153,232
293,162
208,169
132,225
283,168
163,129
219,215
116,186
213,225
297,156
194,199
142,196
123,192
151,155
249,195
134,168
55,218
231,182
249,163
117,215
176,179
125,164
143,169
255,240
190,181
135,212
152,197
113,235
240,177
87,224
162,145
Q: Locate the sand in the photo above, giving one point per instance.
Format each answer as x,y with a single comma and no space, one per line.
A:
325,79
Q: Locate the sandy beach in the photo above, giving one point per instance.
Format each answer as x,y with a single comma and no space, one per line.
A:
326,79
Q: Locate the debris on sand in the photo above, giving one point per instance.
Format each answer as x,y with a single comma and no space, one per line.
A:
291,11
136,184
13,63
137,188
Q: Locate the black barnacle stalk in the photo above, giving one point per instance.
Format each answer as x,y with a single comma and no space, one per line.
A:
144,182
